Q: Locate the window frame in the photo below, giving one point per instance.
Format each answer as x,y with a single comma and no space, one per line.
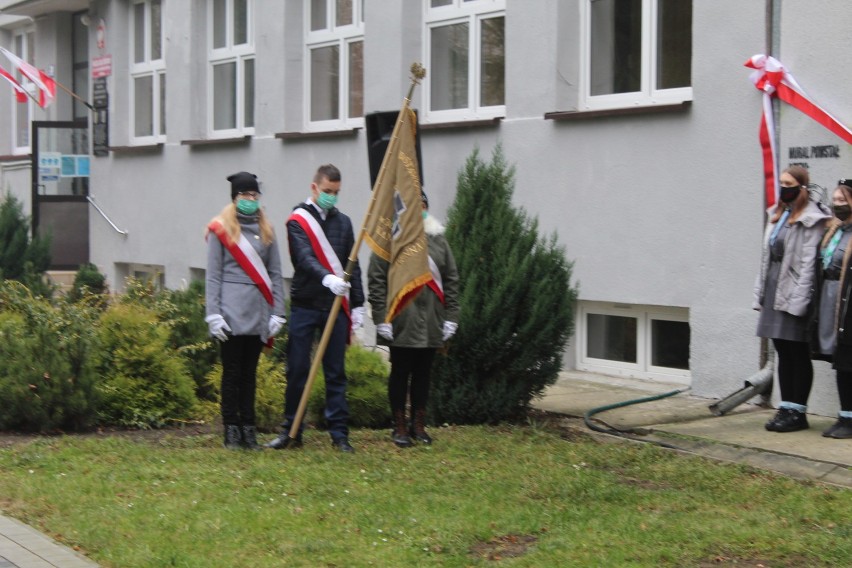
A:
472,12
642,368
231,53
24,32
343,37
154,68
648,95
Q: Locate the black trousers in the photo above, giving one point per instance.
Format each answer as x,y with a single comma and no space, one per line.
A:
795,370
240,355
844,389
416,364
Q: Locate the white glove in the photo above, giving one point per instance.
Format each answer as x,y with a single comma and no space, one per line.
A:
217,326
358,317
450,328
337,285
275,324
385,330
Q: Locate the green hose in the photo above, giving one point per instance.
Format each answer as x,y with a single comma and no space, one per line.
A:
625,433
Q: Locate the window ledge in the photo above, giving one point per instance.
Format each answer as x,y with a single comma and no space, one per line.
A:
650,109
137,149
217,141
461,124
317,134
16,158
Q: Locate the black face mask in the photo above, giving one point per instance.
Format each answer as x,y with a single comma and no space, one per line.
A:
789,194
842,212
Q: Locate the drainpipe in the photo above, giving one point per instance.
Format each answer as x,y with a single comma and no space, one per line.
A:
760,383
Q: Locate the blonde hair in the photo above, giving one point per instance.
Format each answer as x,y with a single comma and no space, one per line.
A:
228,218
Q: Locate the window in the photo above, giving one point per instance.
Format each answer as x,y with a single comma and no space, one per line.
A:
335,63
147,72
465,59
231,67
23,45
640,341
636,52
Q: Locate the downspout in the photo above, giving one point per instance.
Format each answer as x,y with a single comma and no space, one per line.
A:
760,383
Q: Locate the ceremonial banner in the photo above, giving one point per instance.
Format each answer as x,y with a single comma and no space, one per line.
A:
395,229
771,78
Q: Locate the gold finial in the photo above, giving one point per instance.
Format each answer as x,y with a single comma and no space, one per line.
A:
417,72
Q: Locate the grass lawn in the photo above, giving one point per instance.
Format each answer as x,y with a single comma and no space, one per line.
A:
481,496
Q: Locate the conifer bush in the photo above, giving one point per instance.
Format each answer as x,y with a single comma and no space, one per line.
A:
143,382
47,380
516,300
22,258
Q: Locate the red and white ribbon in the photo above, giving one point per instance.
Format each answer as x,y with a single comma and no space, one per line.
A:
773,80
322,250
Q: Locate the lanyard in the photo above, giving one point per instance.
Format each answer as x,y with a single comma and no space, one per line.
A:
778,226
829,250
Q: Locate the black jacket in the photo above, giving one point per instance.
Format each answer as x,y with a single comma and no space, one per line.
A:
843,353
306,289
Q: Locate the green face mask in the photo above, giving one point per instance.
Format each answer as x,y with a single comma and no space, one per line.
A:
425,214
326,201
248,206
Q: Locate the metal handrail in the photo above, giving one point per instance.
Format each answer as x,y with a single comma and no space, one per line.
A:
91,200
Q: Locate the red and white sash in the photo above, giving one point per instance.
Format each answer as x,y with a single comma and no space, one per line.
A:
436,284
322,248
248,259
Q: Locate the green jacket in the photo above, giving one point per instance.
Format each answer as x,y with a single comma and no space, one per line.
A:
421,322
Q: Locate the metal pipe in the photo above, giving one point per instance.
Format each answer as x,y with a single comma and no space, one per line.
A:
757,384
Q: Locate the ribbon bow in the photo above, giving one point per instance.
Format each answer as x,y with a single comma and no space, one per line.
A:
773,80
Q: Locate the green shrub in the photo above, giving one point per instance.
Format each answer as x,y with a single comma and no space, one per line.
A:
144,383
366,390
182,312
516,303
47,381
89,284
21,258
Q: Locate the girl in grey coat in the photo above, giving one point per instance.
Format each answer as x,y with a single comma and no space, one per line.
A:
784,290
245,302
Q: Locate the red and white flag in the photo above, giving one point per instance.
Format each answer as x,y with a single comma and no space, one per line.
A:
20,93
46,85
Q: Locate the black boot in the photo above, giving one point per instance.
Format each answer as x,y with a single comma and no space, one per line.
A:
250,438
233,438
418,427
788,420
400,432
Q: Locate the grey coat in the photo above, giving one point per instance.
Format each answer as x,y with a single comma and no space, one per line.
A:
421,322
231,292
797,278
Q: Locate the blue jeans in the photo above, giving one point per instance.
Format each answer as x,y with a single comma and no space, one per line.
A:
306,326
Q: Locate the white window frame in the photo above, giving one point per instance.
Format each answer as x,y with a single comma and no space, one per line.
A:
154,68
231,53
647,95
26,84
642,368
343,37
472,12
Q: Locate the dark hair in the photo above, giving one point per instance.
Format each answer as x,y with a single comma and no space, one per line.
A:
328,171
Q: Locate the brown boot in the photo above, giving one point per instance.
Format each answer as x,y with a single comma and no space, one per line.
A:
400,433
418,427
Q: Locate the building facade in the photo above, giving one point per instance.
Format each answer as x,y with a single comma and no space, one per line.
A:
632,125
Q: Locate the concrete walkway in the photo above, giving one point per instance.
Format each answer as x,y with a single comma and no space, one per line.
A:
680,421
686,422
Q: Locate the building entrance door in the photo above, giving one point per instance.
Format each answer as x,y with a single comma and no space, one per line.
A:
60,186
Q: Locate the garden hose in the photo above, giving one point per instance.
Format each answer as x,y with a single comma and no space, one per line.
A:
629,433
